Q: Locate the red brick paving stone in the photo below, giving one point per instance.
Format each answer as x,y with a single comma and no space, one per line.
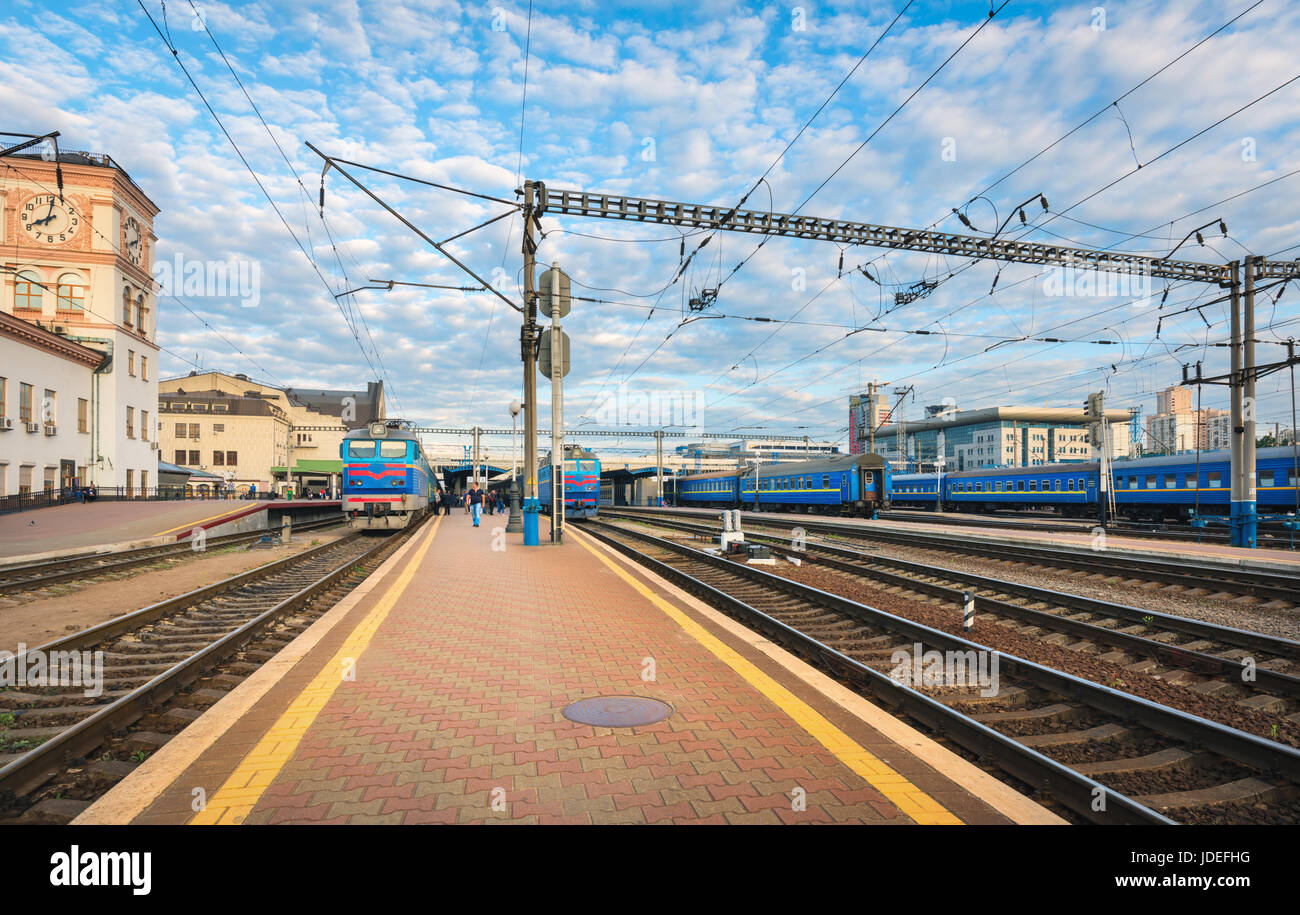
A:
461,689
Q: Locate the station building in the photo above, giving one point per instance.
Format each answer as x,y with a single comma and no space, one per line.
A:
997,437
252,434
78,319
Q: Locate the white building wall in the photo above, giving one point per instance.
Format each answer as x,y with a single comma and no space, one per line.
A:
41,454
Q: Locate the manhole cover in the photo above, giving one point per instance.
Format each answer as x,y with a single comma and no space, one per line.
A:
617,711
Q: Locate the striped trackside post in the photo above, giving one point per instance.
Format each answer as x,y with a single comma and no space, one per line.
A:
968,611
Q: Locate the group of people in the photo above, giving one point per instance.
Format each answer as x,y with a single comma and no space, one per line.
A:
474,500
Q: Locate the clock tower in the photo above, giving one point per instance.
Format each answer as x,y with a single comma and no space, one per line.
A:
76,251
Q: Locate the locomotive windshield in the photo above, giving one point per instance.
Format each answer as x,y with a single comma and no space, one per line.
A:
392,449
359,449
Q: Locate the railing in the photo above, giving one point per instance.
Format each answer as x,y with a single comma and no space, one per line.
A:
20,502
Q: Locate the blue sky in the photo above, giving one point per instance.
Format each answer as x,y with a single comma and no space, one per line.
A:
689,102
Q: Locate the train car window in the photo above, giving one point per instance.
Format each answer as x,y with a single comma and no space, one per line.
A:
1070,484
1171,481
392,449
1214,479
359,449
1033,486
1056,485
1151,482
826,481
1192,482
1020,485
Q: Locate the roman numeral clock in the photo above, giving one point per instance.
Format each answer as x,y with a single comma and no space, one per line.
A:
47,219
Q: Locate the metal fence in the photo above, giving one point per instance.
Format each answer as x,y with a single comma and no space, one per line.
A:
20,502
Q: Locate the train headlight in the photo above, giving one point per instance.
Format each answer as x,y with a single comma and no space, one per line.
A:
378,430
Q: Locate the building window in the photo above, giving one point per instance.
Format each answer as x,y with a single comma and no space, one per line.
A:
180,430
130,362
4,397
27,291
194,459
24,402
130,423
126,306
71,294
180,457
144,368
83,415
144,482
218,458
194,431
50,408
218,428
139,314
232,458
130,480
144,425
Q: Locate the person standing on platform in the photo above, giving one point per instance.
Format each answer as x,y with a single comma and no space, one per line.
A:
501,503
475,496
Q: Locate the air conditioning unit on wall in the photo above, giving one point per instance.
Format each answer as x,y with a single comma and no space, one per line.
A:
51,429
6,422
33,427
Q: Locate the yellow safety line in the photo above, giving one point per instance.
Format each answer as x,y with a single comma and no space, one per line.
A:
908,798
192,524
235,799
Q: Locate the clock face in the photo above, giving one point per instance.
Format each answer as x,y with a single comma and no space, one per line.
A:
49,220
134,249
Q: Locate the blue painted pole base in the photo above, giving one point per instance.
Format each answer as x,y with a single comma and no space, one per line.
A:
1243,521
531,508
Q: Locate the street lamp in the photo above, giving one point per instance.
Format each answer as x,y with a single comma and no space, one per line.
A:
516,522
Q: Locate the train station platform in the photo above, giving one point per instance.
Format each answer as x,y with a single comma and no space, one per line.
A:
78,527
436,692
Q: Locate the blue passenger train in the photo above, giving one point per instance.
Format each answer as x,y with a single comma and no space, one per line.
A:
581,484
853,484
387,480
1155,488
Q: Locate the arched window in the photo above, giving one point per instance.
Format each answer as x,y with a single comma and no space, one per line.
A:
140,312
71,293
126,305
27,291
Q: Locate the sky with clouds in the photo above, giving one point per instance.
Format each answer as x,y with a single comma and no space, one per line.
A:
690,102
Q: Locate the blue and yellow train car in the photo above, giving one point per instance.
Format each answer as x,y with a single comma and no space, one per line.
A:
855,484
1154,488
387,480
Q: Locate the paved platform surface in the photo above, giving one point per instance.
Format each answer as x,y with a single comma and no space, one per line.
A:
81,526
434,694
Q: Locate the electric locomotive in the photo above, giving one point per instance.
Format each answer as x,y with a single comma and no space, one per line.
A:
387,480
581,484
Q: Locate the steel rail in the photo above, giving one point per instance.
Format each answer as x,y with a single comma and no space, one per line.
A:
1231,743
121,559
1209,574
1075,791
1169,655
29,771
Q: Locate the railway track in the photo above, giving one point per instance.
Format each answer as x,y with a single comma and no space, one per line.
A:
1208,578
36,575
1258,672
1102,754
161,666
1268,538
